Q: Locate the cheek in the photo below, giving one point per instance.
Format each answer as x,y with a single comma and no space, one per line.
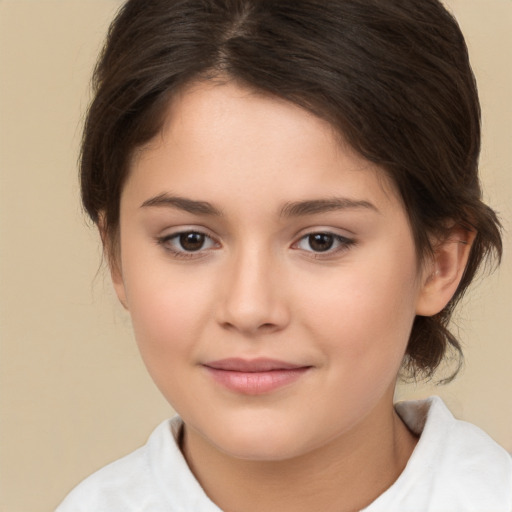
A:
368,313
166,309
167,325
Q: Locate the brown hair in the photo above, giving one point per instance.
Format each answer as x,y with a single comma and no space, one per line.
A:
393,77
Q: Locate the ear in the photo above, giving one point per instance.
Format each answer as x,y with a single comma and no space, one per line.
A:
443,273
112,255
116,275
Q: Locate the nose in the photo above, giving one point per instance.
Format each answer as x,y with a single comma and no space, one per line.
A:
254,295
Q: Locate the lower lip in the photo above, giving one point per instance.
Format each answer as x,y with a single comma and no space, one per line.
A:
256,383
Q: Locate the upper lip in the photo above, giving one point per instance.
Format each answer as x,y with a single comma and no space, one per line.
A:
235,364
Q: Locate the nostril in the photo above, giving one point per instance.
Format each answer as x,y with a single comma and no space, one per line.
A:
265,326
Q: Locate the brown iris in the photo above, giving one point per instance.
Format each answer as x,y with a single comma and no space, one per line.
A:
320,242
192,241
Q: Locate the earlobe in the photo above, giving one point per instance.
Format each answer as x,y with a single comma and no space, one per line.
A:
442,276
118,283
112,257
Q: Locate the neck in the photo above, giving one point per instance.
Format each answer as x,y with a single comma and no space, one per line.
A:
347,474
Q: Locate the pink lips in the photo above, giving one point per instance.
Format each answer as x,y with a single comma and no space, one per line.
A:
256,376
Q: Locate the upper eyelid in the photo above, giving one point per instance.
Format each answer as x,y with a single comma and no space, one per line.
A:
169,235
180,230
328,230
336,236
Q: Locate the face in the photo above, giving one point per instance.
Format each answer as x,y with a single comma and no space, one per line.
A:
270,273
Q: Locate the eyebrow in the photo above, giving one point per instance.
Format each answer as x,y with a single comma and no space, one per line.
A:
315,206
292,209
181,203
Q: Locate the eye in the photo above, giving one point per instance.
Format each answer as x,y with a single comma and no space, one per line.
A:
191,242
187,243
323,243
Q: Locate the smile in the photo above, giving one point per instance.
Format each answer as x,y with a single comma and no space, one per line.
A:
254,377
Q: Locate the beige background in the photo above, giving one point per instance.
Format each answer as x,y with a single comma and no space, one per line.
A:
74,395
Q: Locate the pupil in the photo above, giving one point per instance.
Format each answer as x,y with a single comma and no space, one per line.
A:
320,242
192,241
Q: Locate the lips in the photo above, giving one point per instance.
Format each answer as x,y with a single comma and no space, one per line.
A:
251,366
256,376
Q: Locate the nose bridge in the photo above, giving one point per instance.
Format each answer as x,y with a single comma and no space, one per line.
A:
253,299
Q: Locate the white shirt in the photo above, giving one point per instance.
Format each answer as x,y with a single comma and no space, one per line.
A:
455,467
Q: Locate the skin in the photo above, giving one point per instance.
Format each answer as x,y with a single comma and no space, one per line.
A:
258,287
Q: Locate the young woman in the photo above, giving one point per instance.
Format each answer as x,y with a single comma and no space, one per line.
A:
288,197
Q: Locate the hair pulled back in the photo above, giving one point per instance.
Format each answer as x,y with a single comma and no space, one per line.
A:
393,77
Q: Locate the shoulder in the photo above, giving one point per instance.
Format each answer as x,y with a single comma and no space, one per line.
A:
154,478
460,444
455,465
478,462
128,484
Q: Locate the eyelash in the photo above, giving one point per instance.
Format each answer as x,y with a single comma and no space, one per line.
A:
165,242
342,244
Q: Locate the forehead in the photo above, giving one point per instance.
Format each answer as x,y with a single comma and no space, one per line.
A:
223,137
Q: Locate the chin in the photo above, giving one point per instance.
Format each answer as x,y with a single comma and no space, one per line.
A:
262,450
260,441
